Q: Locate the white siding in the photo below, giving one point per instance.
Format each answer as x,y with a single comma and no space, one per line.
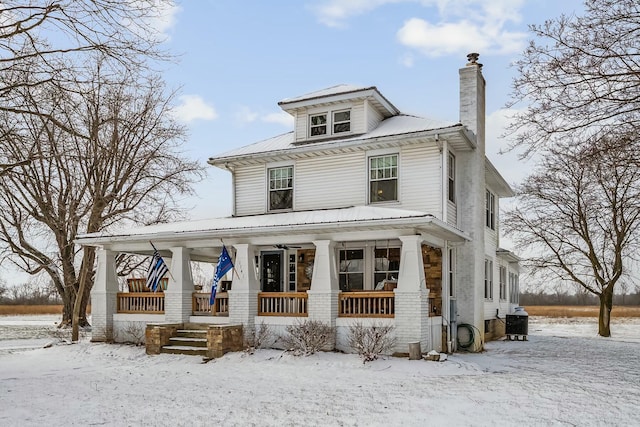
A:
420,182
301,126
251,190
357,118
452,213
373,118
331,182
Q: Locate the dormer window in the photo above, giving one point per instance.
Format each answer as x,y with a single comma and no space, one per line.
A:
329,123
318,125
342,121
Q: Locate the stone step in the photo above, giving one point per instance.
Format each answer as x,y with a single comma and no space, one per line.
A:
186,350
192,333
196,326
188,341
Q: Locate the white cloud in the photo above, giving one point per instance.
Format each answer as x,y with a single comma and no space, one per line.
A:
246,115
193,107
165,16
283,118
447,27
334,13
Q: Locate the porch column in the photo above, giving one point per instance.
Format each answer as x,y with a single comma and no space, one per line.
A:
243,296
104,296
411,297
323,295
177,297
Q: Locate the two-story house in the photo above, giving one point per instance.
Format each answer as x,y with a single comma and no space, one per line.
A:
360,214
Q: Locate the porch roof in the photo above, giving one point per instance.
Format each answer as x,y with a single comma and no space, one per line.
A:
284,228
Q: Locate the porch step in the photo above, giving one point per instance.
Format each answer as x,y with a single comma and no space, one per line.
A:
187,350
192,333
188,341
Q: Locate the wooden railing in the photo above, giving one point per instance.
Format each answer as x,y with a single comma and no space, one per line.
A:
141,302
366,304
282,304
201,306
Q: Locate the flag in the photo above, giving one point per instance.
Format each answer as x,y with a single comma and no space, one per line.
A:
157,269
223,267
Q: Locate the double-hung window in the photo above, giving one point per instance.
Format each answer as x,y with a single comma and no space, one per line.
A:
503,282
318,125
488,279
342,121
281,188
490,210
451,167
387,266
383,178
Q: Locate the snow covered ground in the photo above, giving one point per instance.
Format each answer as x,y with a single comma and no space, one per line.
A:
564,375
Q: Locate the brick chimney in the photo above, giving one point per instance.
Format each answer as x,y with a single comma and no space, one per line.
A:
472,101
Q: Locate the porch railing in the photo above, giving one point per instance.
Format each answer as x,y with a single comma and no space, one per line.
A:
201,306
140,302
292,304
366,304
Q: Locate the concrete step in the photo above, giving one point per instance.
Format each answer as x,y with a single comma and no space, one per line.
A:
187,350
188,341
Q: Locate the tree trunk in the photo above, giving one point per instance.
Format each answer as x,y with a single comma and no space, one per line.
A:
604,319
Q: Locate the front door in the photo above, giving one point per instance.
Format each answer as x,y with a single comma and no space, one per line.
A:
272,271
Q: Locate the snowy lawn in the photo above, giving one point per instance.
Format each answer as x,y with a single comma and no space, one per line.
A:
564,375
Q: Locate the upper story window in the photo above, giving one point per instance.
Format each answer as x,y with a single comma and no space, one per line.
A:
451,166
281,188
329,123
383,178
490,210
318,125
342,121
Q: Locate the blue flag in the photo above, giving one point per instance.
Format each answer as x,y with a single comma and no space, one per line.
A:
157,269
222,268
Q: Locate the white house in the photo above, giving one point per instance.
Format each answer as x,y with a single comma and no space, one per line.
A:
360,214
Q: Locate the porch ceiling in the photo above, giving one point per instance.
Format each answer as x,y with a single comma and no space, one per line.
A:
205,237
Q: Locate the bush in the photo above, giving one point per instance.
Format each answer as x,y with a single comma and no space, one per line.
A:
308,337
260,337
370,341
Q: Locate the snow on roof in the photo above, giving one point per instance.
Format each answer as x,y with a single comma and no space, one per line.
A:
396,125
351,215
333,90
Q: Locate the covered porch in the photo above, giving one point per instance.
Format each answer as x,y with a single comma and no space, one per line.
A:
369,265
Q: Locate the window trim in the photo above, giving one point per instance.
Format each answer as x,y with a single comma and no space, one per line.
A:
502,277
269,190
362,272
451,174
395,178
329,123
490,210
488,279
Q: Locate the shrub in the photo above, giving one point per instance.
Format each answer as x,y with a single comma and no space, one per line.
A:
370,341
308,337
260,337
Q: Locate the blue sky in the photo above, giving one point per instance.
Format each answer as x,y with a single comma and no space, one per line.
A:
239,58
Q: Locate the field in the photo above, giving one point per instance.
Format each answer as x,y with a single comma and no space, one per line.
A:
29,309
579,311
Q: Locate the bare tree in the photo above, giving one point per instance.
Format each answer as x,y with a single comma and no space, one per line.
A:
107,153
49,41
581,76
577,216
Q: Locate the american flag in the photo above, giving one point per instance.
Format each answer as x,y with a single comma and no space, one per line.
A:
157,269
